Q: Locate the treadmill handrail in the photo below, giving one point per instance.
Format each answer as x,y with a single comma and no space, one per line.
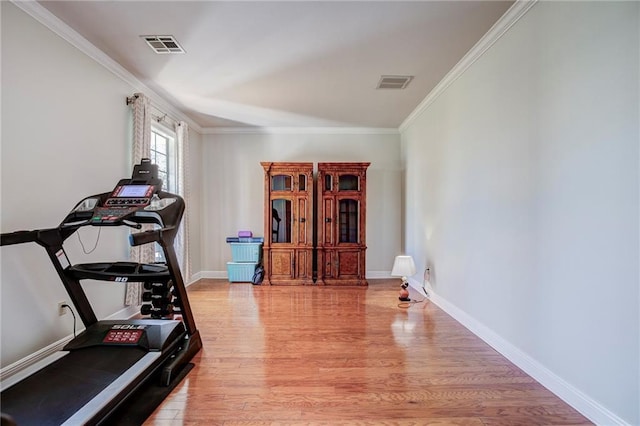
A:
42,237
18,237
154,235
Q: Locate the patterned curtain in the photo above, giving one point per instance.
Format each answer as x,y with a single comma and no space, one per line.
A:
182,238
141,149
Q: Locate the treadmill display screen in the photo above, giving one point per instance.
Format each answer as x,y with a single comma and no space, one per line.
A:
133,191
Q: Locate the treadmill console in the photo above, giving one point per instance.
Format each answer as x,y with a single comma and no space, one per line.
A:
130,195
124,200
133,201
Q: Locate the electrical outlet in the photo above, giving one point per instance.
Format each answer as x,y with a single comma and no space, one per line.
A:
62,309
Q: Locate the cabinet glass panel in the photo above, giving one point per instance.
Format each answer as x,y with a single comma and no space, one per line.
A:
281,183
302,182
348,217
348,183
327,182
282,220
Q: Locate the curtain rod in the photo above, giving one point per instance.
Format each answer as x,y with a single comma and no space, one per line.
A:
159,116
131,99
162,116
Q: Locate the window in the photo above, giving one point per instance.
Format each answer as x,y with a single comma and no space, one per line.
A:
163,153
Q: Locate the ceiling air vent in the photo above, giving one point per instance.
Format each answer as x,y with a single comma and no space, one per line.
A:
163,44
394,81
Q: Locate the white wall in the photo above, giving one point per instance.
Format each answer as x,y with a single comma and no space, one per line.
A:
524,188
234,184
66,134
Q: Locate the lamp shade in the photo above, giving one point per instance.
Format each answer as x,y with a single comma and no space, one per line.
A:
403,266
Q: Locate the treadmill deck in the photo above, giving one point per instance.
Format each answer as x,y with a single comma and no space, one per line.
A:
55,393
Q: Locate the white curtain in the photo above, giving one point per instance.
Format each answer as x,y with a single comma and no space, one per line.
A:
141,149
182,244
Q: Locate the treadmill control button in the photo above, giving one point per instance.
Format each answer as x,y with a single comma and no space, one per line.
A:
123,336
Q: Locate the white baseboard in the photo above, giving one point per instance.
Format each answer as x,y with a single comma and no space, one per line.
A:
223,275
126,312
195,278
589,408
376,275
34,358
213,274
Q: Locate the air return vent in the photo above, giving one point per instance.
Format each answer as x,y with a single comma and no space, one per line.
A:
394,81
163,44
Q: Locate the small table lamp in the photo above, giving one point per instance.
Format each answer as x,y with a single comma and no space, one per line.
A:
403,267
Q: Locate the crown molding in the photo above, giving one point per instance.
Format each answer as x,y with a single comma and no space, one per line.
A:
510,17
55,24
301,130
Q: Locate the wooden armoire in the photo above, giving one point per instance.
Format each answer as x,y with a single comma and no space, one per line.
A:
291,254
341,231
288,226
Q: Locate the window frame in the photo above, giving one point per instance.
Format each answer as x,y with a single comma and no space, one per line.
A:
170,184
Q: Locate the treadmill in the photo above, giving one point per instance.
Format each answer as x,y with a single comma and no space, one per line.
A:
104,366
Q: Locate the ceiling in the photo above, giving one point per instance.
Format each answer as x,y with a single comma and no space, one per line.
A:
286,63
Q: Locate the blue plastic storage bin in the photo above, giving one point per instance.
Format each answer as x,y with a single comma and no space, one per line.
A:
246,252
241,271
245,239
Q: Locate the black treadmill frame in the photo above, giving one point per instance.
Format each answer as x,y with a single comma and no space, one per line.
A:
168,219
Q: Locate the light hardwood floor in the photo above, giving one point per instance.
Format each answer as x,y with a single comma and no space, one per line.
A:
338,356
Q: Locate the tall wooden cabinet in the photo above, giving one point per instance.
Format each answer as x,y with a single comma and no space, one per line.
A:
329,251
288,226
341,229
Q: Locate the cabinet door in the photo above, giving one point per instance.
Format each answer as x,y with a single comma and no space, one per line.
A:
328,221
341,221
349,262
348,220
303,264
327,265
343,265
282,263
281,220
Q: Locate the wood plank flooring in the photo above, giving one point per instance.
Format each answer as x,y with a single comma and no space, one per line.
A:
346,356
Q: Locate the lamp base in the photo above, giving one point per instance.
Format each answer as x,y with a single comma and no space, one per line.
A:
404,294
